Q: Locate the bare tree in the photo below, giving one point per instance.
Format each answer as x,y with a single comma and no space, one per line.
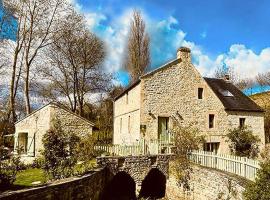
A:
240,83
263,99
37,21
138,55
12,51
75,57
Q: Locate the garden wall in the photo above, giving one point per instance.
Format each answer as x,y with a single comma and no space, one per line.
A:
208,184
86,187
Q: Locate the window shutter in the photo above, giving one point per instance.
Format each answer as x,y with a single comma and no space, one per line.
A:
31,146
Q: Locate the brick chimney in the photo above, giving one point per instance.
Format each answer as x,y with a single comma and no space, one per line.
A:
184,53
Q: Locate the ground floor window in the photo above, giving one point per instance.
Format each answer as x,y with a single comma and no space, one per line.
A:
22,143
211,146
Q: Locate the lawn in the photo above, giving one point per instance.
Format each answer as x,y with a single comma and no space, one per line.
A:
28,176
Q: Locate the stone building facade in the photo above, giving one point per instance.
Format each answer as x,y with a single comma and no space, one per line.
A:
177,93
30,130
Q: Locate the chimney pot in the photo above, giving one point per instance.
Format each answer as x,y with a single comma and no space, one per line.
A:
184,54
227,77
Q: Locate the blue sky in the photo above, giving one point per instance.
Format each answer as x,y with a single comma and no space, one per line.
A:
234,32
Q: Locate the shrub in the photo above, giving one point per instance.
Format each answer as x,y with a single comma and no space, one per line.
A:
84,167
8,171
187,138
259,190
243,142
86,149
60,149
38,162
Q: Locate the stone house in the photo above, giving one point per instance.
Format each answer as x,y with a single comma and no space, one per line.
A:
30,130
176,92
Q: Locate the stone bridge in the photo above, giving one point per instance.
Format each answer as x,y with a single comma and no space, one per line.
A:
139,168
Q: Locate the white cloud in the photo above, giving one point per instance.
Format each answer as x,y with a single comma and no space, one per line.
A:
166,39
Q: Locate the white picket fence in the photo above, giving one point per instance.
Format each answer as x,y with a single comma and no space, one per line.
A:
142,147
234,164
120,150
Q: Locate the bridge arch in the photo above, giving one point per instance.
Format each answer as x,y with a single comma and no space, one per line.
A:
121,187
153,185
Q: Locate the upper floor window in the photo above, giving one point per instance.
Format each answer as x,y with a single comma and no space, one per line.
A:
242,122
211,121
200,93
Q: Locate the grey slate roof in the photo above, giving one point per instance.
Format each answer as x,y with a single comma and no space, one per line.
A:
234,99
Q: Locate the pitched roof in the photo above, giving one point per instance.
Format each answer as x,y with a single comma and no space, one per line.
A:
231,97
59,106
127,89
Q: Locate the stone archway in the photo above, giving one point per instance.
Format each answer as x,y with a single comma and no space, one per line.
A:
153,185
121,187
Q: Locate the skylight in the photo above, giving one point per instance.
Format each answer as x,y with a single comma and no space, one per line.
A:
226,93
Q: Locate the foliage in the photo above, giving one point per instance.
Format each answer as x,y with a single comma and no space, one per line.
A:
39,162
6,128
265,153
138,53
243,142
102,115
187,138
77,56
85,148
83,167
28,176
263,100
8,171
259,190
60,152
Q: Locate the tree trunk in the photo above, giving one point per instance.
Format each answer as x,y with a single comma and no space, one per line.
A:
26,91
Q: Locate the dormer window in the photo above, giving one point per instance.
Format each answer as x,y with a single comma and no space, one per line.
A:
200,93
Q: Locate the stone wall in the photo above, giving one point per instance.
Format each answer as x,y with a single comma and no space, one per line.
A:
71,122
127,117
255,121
40,121
208,184
172,92
86,187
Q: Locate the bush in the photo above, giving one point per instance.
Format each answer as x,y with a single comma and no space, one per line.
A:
38,163
187,138
243,142
86,149
8,171
84,167
60,149
259,190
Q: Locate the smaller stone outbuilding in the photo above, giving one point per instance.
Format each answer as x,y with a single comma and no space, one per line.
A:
30,130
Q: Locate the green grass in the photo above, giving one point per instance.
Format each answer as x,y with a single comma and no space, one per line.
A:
27,177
